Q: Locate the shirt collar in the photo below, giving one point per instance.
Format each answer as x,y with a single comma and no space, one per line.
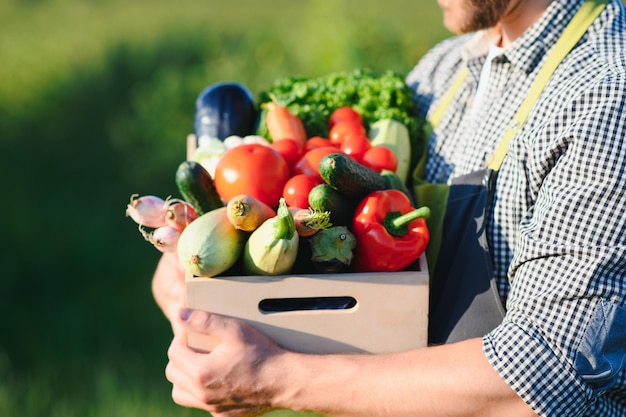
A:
528,51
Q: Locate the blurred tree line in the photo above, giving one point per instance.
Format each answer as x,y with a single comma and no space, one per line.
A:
89,116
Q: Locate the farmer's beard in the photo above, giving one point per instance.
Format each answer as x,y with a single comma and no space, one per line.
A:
483,14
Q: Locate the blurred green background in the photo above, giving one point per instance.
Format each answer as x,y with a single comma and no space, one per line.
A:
96,98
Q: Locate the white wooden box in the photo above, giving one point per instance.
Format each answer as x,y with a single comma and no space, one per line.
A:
390,311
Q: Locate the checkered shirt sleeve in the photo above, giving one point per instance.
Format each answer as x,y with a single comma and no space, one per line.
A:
557,228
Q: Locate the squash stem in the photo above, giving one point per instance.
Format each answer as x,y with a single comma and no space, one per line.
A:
284,227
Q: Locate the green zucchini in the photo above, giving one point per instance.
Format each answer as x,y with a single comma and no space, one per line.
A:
197,188
349,177
341,207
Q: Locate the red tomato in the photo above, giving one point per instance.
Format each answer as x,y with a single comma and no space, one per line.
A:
310,162
317,142
345,129
355,146
297,188
344,113
256,170
380,158
289,149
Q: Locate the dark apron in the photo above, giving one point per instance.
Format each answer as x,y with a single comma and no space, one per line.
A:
464,301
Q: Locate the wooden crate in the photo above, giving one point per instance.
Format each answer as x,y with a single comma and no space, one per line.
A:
390,311
307,313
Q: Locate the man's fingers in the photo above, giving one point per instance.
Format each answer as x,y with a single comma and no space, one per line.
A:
184,371
217,381
217,327
185,399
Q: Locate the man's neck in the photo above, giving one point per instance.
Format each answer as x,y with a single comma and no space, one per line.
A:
520,16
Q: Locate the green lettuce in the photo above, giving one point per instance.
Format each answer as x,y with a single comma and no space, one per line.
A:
375,95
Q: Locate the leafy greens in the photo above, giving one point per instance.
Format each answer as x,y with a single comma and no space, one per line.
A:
375,95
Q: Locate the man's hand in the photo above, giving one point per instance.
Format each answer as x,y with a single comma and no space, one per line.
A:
247,374
168,288
232,379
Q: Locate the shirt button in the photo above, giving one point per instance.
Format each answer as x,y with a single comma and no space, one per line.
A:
515,125
488,158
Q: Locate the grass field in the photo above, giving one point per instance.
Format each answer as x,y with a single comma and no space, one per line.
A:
96,97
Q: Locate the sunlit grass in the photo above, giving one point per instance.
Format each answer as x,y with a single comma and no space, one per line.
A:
100,390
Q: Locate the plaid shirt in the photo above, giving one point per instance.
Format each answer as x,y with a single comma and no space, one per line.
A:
557,228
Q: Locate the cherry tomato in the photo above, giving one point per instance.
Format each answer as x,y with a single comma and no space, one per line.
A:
297,188
344,113
345,129
289,149
256,170
355,146
380,158
317,142
310,161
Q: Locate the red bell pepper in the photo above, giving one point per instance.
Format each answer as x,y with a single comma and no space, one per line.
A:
390,233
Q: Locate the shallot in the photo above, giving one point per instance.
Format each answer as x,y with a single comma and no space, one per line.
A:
147,210
179,214
309,222
164,238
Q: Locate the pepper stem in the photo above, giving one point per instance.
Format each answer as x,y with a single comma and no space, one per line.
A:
285,227
397,224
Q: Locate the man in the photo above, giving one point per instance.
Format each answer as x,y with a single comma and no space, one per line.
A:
557,233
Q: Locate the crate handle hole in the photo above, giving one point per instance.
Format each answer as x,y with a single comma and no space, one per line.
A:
281,305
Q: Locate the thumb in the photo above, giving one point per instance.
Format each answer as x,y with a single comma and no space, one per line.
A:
206,330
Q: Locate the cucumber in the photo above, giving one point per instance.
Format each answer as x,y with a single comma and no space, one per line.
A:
349,177
197,188
341,207
395,183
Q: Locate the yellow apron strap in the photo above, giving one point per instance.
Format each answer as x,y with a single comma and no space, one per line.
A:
435,118
579,24
577,27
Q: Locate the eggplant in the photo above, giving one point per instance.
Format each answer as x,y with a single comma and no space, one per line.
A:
224,109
